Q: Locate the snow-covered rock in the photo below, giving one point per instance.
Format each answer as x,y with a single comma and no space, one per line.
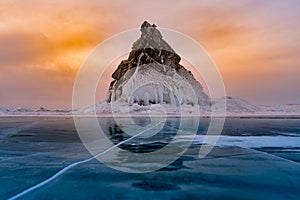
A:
21,110
234,106
286,108
100,108
4,111
237,105
42,109
152,75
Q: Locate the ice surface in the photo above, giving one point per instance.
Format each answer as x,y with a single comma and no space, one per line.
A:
39,147
253,141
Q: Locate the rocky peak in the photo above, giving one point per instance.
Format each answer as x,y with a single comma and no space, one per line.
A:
150,49
146,24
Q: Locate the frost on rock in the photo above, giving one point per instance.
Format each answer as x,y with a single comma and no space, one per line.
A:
152,75
148,84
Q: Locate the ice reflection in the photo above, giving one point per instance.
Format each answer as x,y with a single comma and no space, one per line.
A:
115,133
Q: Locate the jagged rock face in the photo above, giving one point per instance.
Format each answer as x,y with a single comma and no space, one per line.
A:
149,48
152,74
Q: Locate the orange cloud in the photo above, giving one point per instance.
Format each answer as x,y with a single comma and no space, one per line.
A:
42,44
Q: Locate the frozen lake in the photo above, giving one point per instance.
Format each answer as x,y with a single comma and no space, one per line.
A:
253,159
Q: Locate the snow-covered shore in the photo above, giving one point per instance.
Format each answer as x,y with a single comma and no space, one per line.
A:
107,110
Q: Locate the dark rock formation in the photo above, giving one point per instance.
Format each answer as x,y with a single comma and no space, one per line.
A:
151,48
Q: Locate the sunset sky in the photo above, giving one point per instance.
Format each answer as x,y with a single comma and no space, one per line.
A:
255,44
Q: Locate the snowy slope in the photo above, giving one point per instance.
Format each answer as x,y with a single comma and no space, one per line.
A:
237,105
4,111
286,108
21,109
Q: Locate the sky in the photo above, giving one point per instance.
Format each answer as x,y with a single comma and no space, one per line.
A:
255,44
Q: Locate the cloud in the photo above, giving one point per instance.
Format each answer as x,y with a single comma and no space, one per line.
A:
18,48
42,44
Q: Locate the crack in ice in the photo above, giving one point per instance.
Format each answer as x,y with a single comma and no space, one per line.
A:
62,171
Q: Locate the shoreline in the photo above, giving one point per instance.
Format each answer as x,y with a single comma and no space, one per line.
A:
240,116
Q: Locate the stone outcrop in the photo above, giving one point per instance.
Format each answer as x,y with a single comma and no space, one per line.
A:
151,51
